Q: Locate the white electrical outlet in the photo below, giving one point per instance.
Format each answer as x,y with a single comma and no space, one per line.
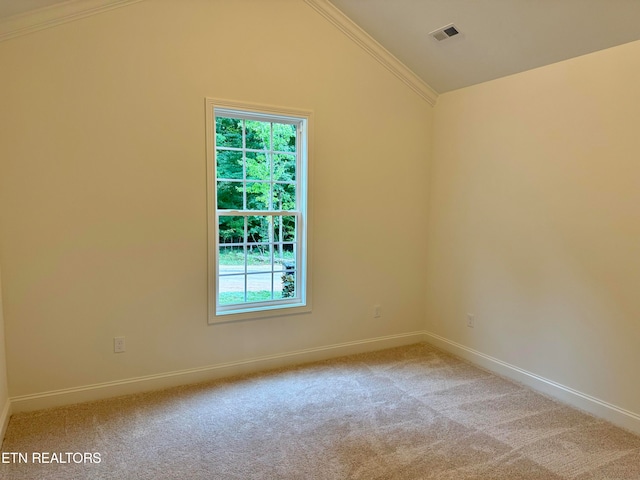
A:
377,311
471,320
118,345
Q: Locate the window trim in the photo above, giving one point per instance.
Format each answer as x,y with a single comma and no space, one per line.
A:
275,308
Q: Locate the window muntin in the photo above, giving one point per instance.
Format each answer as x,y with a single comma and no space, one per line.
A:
260,210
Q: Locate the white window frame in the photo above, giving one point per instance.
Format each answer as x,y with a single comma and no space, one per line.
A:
253,310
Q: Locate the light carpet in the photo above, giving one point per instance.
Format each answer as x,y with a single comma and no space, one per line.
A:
406,413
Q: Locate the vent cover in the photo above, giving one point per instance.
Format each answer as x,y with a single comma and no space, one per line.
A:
445,32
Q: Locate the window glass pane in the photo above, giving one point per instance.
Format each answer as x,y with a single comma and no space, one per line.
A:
278,259
277,286
258,135
258,166
258,229
228,132
284,196
281,257
259,258
284,256
277,228
259,287
284,137
230,229
288,282
284,167
230,259
231,289
229,164
254,167
229,195
284,228
290,229
258,195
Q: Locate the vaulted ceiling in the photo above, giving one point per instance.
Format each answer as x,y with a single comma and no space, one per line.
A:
497,37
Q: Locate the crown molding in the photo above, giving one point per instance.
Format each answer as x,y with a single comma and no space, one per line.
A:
57,14
72,10
373,48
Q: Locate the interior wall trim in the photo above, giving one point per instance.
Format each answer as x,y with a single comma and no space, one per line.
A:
72,10
5,415
373,48
100,391
607,411
54,15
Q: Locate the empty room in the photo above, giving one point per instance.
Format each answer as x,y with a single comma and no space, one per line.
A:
290,239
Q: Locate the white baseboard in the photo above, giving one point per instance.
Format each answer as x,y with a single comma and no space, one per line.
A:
5,414
616,415
100,391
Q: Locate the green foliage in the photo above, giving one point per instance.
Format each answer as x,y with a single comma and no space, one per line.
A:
228,132
268,171
288,285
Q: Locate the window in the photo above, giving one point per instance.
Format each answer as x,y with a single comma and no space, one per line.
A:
257,169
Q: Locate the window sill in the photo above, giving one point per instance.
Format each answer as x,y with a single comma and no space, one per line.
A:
247,314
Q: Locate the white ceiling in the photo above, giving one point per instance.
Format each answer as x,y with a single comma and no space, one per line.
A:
499,37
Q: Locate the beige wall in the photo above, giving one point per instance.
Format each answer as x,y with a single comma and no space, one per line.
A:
532,220
4,391
103,199
534,225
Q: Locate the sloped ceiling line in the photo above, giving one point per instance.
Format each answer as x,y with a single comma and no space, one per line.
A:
56,15
69,11
373,48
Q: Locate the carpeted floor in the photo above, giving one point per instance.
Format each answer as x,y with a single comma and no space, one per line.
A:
406,413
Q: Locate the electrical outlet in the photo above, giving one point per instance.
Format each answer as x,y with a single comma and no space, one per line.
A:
377,311
471,320
118,345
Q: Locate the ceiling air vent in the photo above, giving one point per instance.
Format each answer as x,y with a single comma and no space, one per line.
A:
445,33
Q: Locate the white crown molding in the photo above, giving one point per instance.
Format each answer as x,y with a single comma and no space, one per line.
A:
57,14
373,48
